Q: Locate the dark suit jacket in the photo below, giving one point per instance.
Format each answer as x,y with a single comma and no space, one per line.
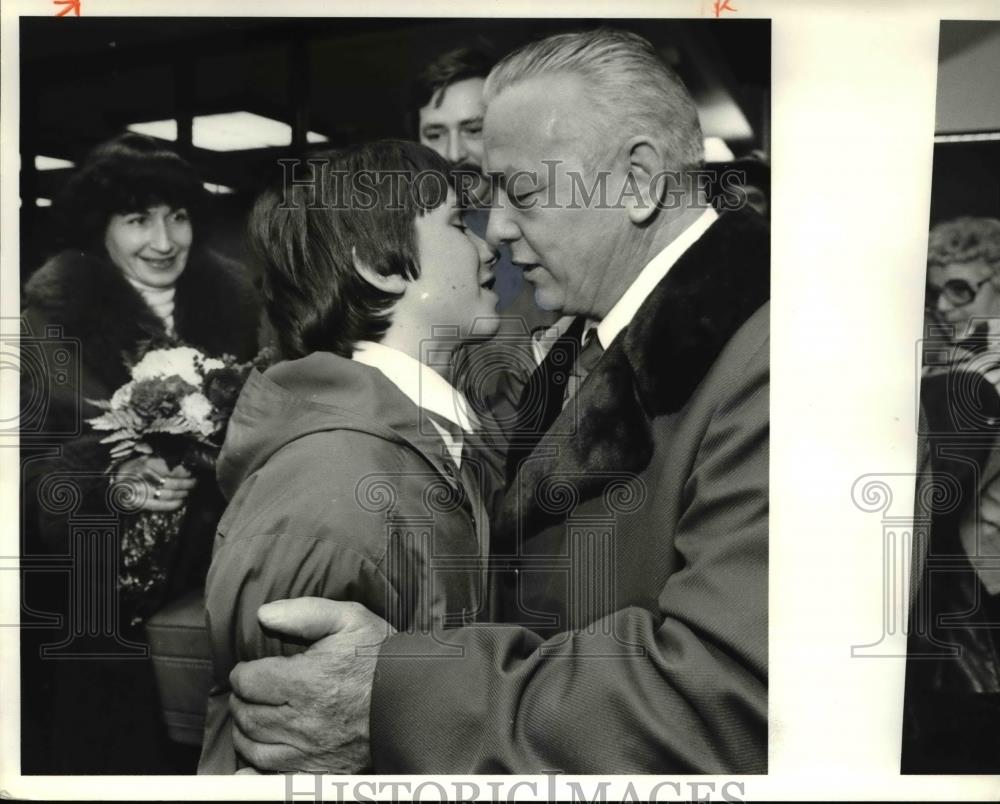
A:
635,571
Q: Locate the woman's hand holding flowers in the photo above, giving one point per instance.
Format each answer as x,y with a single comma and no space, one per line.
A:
155,487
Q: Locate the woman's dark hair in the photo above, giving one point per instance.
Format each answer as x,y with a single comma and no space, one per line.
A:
449,68
129,173
340,206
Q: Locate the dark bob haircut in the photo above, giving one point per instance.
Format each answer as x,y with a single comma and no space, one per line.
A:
447,69
339,206
129,173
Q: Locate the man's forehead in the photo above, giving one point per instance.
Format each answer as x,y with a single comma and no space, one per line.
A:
456,103
532,121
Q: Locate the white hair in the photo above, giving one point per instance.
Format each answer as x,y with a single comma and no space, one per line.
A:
631,89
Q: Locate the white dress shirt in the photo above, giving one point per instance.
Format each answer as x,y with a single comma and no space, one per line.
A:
624,310
425,388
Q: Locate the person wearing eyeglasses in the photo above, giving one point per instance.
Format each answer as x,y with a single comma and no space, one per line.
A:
963,278
961,368
948,725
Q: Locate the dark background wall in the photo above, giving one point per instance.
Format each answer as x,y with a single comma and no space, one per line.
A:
84,80
966,178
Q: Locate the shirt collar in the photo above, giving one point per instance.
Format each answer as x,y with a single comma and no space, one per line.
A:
425,387
624,310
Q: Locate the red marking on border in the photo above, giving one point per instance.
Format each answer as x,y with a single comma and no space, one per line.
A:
722,5
71,5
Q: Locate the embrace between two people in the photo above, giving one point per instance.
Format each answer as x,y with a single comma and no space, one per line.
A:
403,584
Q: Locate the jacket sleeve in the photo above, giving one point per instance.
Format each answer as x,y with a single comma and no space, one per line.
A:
61,452
681,690
251,571
257,569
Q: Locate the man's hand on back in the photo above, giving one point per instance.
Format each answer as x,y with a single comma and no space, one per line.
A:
309,712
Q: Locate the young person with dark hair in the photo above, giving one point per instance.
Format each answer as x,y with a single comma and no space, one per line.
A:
444,111
349,464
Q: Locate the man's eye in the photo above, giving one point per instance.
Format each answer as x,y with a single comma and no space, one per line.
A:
181,215
522,198
474,131
136,219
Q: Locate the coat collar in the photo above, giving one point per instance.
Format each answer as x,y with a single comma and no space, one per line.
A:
319,393
216,309
91,301
651,369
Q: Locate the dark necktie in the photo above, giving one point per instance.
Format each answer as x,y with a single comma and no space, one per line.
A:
541,401
584,364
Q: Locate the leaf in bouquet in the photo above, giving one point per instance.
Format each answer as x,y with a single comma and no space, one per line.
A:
123,419
126,419
120,455
126,445
119,435
175,425
101,404
104,422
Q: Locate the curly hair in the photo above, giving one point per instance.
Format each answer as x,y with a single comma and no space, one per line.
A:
129,173
965,240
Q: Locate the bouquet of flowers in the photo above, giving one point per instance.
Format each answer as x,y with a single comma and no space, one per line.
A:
175,406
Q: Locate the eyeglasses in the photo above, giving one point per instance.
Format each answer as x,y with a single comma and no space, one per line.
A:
957,291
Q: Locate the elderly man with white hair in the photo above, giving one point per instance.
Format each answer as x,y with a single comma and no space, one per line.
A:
630,549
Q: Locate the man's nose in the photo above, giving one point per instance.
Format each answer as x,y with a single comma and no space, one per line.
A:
501,227
943,305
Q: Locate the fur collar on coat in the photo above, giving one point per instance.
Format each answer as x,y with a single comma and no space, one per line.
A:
216,309
651,369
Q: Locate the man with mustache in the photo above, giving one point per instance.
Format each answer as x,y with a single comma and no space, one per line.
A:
631,546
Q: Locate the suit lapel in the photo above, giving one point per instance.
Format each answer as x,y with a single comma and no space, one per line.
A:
541,399
651,369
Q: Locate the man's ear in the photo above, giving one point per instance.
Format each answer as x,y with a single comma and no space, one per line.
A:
644,180
394,283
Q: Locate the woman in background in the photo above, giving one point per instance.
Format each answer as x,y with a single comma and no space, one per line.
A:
135,270
953,701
